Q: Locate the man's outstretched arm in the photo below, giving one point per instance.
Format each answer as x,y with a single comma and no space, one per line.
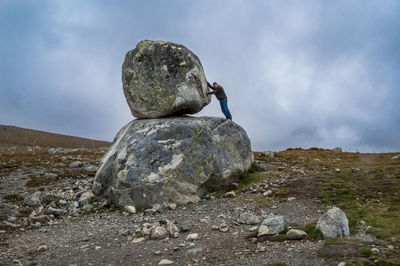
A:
209,85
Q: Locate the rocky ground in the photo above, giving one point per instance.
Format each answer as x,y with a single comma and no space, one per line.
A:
50,217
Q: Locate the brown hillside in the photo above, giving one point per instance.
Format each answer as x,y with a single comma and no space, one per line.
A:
11,135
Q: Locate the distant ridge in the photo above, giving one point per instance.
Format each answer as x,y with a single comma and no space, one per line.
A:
11,135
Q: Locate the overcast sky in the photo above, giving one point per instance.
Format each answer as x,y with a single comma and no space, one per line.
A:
297,73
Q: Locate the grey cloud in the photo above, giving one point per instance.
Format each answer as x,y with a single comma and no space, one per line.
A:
307,73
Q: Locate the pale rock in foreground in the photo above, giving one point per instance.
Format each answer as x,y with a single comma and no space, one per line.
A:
34,200
165,262
273,225
296,234
334,223
172,160
85,198
163,79
249,218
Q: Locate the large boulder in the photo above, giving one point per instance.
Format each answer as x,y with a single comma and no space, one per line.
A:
162,79
172,160
334,223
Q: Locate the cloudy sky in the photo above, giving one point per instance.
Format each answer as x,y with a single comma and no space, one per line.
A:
297,73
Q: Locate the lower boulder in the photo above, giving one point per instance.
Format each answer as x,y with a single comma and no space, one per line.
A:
172,160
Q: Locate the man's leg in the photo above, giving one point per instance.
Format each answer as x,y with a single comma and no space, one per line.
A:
224,108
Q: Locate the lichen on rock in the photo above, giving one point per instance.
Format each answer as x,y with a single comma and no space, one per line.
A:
172,160
162,79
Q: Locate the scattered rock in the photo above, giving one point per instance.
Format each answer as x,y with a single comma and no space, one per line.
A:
295,234
333,223
12,219
55,211
42,248
66,158
146,230
90,168
137,240
165,262
171,206
342,263
34,200
355,170
86,198
375,250
194,250
163,79
172,229
11,225
291,198
273,225
33,219
192,237
75,164
223,227
230,194
131,209
249,218
267,193
160,232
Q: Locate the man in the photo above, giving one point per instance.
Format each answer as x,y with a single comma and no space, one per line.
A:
221,96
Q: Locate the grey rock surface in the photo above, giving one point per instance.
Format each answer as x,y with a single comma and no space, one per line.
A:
273,225
34,200
249,218
172,160
396,157
75,164
85,198
334,223
163,79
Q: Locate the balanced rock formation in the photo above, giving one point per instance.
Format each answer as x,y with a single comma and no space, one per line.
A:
172,160
163,79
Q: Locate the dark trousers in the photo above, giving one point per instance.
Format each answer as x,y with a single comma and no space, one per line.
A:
225,109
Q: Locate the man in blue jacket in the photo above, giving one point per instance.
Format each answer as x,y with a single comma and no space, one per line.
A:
221,96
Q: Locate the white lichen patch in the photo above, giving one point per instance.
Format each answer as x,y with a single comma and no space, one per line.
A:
153,177
174,163
167,141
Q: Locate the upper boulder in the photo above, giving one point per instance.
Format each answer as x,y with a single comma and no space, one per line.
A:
163,79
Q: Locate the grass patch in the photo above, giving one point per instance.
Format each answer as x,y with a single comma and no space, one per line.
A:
278,238
276,264
312,233
358,262
366,252
339,240
38,181
13,198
